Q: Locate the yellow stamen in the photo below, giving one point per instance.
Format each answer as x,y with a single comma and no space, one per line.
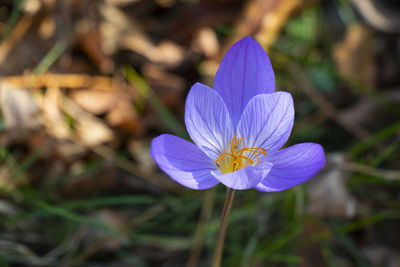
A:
221,156
233,161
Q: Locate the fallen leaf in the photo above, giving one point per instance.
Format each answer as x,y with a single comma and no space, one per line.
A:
89,38
124,116
120,31
19,111
354,56
51,115
95,101
90,131
206,42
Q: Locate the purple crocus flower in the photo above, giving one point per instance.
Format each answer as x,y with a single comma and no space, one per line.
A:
238,128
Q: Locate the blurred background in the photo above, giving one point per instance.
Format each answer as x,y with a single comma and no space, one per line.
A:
86,84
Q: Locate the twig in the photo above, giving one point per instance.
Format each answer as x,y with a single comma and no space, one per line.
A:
324,105
359,168
71,81
15,36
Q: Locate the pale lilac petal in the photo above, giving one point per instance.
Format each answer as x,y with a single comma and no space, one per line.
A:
267,121
293,166
183,161
245,178
245,71
207,120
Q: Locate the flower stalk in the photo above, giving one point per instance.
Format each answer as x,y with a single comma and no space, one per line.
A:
230,193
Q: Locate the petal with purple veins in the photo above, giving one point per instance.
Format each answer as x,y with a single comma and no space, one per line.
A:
183,161
293,166
245,71
207,120
267,121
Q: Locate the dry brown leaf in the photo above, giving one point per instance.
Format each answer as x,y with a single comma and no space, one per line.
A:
16,35
206,42
71,81
89,38
255,14
32,6
19,111
354,56
47,27
273,22
70,150
95,101
168,53
265,19
121,2
115,103
119,31
90,131
51,115
208,69
125,117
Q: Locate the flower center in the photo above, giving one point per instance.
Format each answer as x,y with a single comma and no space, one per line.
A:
238,158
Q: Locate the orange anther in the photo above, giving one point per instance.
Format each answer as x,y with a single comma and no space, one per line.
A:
238,157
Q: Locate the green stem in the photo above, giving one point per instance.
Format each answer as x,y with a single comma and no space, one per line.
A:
230,193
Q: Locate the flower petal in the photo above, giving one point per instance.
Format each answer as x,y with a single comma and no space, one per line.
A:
245,71
245,178
292,166
267,121
207,120
183,161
